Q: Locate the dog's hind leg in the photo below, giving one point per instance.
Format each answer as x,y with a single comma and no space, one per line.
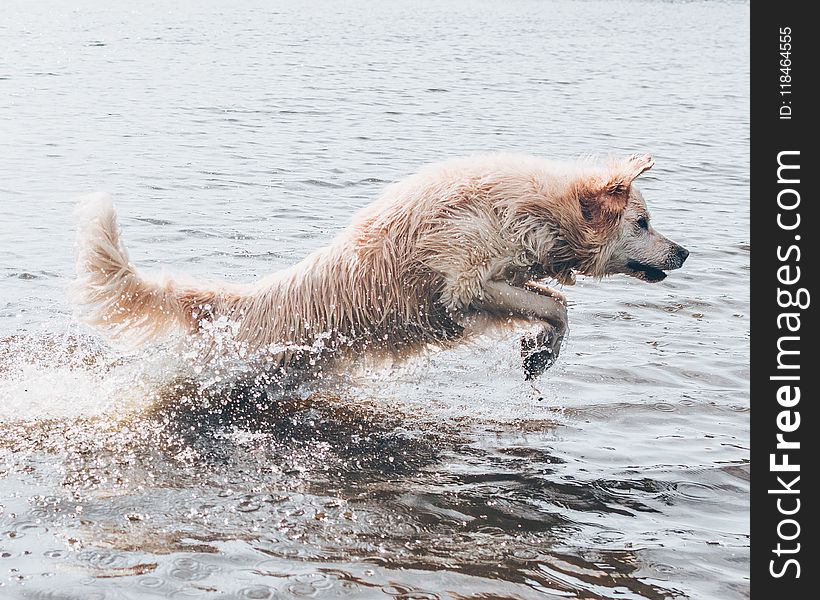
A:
535,302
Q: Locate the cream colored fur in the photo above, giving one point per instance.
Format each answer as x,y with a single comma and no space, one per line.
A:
415,268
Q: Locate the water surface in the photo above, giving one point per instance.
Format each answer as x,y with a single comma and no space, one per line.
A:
238,137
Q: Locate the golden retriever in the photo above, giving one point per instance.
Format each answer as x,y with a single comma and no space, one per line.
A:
450,252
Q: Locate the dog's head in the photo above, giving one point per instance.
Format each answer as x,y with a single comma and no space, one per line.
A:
614,209
640,251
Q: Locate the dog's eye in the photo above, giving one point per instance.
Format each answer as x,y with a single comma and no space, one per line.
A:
643,223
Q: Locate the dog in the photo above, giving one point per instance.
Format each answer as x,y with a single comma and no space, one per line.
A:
460,248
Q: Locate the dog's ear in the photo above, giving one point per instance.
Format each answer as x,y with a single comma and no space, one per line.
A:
601,209
625,172
604,200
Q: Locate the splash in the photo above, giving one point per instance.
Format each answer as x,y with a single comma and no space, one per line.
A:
60,376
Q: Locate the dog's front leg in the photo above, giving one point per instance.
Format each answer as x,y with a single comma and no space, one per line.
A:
535,302
540,350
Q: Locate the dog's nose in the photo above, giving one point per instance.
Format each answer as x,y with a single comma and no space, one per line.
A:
683,254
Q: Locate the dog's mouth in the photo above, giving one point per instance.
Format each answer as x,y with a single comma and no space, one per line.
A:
644,272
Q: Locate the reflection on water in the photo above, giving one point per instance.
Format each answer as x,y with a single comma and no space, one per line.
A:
235,139
311,494
258,489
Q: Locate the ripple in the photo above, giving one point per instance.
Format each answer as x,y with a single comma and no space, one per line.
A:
405,593
68,594
309,585
303,590
256,592
695,491
275,567
609,537
190,569
151,582
190,592
524,554
663,568
153,221
100,558
286,550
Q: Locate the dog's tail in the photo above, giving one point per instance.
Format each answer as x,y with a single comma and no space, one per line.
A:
114,296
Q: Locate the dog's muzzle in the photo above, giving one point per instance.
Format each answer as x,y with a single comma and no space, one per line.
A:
655,273
677,257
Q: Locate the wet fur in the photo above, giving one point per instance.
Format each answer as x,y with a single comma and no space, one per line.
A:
414,269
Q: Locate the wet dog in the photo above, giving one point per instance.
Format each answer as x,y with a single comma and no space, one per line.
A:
458,249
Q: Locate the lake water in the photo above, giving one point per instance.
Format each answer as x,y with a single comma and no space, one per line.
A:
236,138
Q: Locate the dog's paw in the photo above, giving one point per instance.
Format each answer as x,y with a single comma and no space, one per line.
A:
540,351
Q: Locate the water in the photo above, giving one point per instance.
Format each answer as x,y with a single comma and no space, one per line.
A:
238,137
